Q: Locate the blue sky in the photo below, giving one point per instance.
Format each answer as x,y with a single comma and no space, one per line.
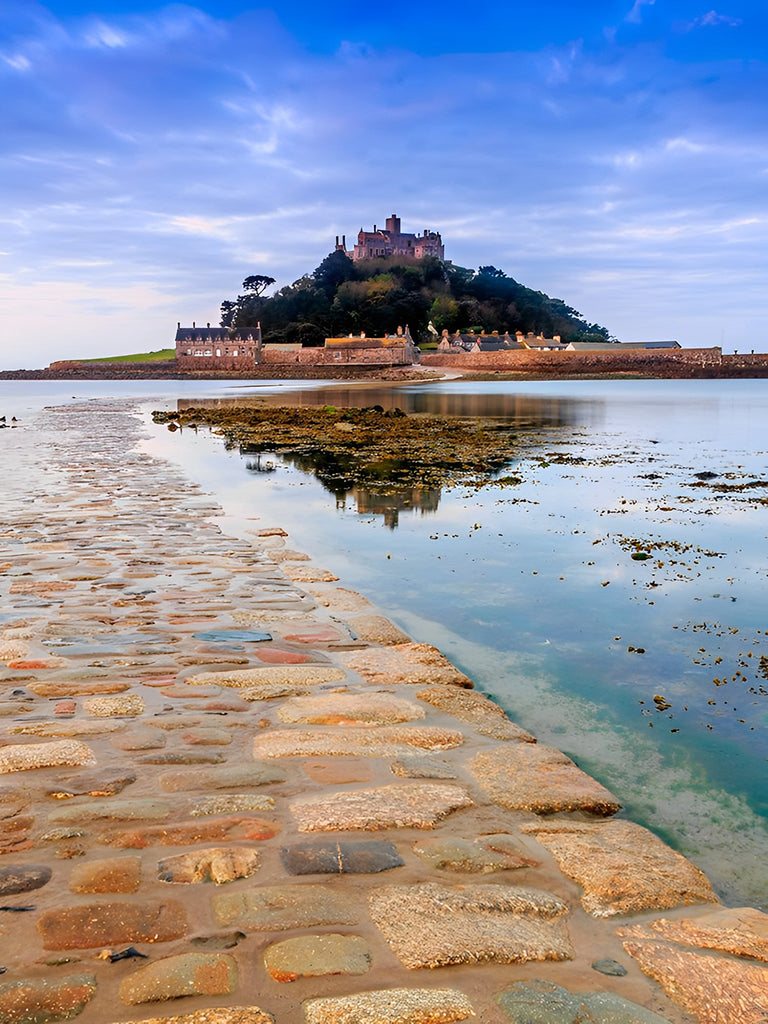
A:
613,154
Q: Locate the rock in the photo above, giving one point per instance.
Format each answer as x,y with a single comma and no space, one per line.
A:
312,956
612,968
417,664
186,974
543,1002
294,675
108,875
219,865
483,855
113,707
23,757
725,990
375,629
230,777
236,636
741,931
622,867
92,784
431,925
481,713
15,878
534,777
421,766
308,574
315,635
141,738
77,688
183,757
90,925
281,907
45,1000
216,1015
207,736
275,656
386,740
391,1006
342,858
139,809
186,833
67,728
401,805
231,803
339,599
349,709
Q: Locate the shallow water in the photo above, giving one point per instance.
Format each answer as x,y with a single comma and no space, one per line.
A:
532,589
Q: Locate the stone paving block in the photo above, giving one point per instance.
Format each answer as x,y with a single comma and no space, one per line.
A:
345,858
416,664
432,925
186,833
15,878
391,1006
622,867
186,974
741,931
421,766
219,865
77,688
68,728
109,874
481,856
477,710
231,803
375,629
543,1002
215,1015
228,777
312,956
716,990
137,809
20,757
382,741
281,907
95,784
286,675
339,599
400,805
140,738
349,709
89,925
534,777
15,834
45,1000
130,704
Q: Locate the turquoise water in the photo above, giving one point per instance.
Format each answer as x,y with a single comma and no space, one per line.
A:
533,590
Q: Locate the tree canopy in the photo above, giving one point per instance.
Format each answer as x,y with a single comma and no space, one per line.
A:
377,296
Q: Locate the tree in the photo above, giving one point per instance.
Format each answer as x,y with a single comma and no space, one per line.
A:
257,283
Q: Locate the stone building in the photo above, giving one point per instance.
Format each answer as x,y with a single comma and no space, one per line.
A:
391,241
216,348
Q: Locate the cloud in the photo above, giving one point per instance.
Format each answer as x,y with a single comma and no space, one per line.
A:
712,18
635,15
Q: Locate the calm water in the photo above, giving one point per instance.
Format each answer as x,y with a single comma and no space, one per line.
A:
533,590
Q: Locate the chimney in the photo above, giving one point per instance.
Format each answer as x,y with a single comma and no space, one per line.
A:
178,325
337,241
208,326
193,323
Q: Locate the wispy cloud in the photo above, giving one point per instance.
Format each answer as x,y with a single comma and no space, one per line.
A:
712,18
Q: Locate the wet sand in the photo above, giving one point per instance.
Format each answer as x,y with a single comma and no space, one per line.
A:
221,763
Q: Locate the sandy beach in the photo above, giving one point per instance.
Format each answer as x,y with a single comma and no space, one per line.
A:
233,791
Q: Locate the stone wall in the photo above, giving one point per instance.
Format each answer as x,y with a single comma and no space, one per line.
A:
360,354
679,362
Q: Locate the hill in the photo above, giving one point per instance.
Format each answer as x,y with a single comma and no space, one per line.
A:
376,296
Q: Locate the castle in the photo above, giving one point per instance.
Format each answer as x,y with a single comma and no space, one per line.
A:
391,241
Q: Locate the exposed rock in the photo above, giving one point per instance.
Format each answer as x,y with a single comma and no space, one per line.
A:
219,865
139,809
386,740
715,989
77,688
26,756
533,777
349,709
141,738
231,803
314,634
186,833
431,925
375,629
401,805
483,855
421,766
293,675
113,707
280,907
339,599
417,664
111,874
16,878
308,574
68,728
741,931
187,974
481,713
611,968
543,1002
45,1000
92,784
230,777
391,1006
340,858
311,956
622,867
207,736
90,925
216,1015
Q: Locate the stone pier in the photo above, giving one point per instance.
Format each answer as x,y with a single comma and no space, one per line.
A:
233,792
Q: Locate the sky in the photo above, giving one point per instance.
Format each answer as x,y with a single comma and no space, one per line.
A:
613,154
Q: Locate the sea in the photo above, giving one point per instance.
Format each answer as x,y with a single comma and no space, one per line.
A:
610,593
